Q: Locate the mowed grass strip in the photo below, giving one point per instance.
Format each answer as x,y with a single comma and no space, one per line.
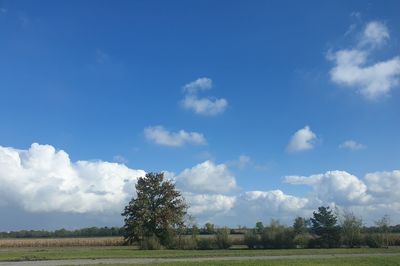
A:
17,254
356,261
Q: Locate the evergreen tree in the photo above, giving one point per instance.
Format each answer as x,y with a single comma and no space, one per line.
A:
324,225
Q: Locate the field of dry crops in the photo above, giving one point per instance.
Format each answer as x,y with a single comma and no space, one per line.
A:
82,241
61,242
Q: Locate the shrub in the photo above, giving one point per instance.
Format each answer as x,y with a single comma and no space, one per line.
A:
252,239
373,241
277,236
186,243
394,239
222,238
150,243
302,240
206,243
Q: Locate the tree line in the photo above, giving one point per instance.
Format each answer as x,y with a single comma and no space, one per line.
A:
157,217
84,232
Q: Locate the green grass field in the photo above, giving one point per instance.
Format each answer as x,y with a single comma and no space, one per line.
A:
370,261
14,254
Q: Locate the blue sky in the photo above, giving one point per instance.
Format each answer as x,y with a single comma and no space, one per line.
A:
243,94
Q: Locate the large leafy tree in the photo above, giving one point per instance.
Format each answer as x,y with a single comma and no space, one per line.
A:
324,225
158,210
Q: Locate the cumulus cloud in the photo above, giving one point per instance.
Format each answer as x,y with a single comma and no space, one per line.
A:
334,186
206,177
384,185
370,197
303,139
273,201
43,179
354,69
202,105
161,136
247,207
252,206
352,145
207,205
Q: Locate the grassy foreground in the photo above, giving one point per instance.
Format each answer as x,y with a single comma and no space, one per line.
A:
370,261
16,254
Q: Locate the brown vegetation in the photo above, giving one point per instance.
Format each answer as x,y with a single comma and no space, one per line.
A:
62,242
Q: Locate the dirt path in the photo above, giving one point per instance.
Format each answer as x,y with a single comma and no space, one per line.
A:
161,260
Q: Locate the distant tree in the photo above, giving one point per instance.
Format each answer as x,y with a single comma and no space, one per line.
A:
157,211
259,227
383,225
209,228
300,225
351,229
195,230
324,225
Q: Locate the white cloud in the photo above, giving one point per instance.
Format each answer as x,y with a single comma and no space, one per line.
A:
252,206
202,105
303,139
205,106
161,136
375,34
42,179
274,200
206,205
206,177
371,197
246,208
353,68
334,186
352,145
198,85
371,81
384,185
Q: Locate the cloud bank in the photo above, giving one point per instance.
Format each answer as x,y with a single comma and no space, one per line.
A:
42,180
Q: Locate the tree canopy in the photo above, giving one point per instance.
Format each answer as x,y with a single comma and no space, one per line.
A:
157,210
324,225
